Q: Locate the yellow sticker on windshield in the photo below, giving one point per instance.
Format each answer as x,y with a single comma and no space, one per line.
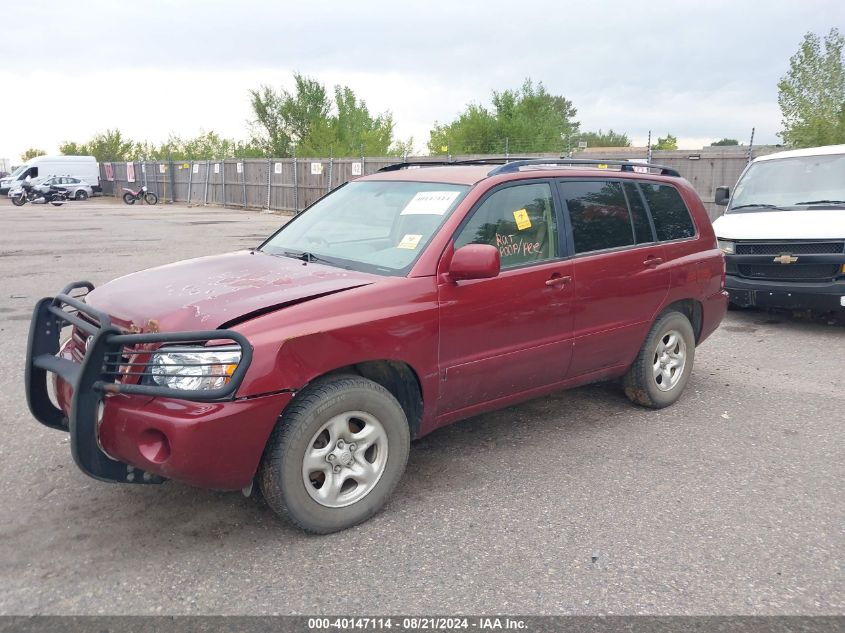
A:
410,242
522,220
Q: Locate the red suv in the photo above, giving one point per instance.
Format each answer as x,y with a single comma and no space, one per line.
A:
400,302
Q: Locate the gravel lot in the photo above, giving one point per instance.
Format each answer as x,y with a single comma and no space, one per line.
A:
729,502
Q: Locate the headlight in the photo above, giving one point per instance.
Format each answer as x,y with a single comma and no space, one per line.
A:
190,369
726,246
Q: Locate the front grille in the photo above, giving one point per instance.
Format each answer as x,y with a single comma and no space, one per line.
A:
802,272
789,248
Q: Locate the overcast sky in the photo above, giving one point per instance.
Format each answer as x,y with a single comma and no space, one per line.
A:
700,70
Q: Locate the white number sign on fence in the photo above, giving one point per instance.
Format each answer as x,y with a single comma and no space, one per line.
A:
356,169
161,168
316,169
277,168
240,168
216,168
196,168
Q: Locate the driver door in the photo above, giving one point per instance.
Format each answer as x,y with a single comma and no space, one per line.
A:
511,333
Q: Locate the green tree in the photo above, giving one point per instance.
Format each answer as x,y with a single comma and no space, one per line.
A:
528,119
310,122
32,152
725,142
108,146
605,139
811,95
669,142
69,148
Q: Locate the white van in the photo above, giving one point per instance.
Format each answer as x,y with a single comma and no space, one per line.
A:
783,232
85,168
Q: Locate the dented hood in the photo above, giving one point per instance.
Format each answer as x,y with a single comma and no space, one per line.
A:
207,292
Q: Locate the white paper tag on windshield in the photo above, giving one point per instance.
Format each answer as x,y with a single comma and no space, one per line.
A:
430,203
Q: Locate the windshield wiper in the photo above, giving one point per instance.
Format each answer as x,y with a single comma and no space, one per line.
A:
822,202
762,205
308,257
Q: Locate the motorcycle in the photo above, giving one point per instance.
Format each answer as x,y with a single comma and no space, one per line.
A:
39,194
131,196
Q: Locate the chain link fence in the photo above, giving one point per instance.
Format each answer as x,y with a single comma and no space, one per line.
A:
289,185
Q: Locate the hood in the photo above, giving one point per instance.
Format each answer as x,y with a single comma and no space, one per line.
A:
205,293
782,225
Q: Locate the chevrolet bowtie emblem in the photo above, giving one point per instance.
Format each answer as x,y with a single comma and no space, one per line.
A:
785,259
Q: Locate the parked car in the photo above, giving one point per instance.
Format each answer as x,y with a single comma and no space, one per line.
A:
784,231
85,168
399,303
77,189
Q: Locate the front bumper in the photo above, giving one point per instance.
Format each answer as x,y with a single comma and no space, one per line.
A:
121,431
821,296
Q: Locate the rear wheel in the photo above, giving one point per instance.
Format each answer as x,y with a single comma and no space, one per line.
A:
150,198
19,201
81,195
662,368
128,198
336,454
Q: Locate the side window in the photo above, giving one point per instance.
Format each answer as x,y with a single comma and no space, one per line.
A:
639,216
599,214
671,217
519,221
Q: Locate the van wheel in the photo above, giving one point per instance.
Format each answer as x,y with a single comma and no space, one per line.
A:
336,454
661,370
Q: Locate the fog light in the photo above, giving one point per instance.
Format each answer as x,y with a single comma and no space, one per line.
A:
154,446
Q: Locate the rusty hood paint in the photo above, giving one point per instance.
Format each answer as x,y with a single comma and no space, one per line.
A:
207,292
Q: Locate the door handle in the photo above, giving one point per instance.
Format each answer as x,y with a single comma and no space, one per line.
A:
557,280
653,261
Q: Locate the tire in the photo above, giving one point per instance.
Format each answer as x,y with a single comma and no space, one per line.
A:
361,414
150,198
19,201
57,200
81,194
128,198
656,379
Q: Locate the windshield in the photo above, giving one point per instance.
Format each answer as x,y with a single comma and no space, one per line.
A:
792,183
17,172
373,226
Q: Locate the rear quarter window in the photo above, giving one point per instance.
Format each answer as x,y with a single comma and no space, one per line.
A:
672,220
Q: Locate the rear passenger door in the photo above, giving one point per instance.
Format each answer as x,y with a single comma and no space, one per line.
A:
619,271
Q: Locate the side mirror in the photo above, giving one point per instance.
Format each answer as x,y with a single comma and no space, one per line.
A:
723,194
475,261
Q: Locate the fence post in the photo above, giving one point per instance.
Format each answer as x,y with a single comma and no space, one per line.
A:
223,178
648,156
243,181
172,180
331,168
205,194
190,181
269,172
295,186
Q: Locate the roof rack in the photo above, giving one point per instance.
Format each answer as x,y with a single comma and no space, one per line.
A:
624,165
499,160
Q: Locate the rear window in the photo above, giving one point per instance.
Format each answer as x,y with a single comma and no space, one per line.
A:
599,215
671,217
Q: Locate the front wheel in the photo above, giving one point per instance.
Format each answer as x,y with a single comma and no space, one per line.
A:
336,454
662,368
150,198
128,198
19,201
81,195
